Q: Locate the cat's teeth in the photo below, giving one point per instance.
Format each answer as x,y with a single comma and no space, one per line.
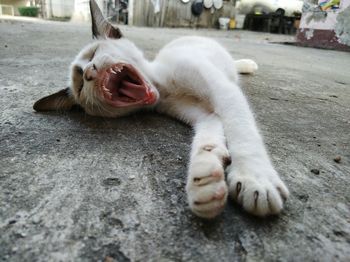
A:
112,71
107,92
118,68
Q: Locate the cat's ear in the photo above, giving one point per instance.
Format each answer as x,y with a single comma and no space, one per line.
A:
61,100
101,28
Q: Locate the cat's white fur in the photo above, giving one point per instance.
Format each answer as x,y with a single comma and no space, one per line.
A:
196,81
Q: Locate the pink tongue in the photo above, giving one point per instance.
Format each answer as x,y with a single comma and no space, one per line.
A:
132,90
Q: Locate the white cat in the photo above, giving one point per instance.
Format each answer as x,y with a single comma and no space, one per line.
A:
195,80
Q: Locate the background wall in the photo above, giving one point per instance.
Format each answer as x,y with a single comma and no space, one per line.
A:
174,13
59,8
15,4
328,29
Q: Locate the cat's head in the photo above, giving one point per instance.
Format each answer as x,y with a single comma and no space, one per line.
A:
106,77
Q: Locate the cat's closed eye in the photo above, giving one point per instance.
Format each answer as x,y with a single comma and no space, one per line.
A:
78,78
79,70
93,55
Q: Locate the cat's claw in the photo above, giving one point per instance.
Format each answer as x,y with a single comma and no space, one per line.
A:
206,187
259,195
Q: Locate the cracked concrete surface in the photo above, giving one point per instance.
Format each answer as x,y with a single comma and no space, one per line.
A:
79,188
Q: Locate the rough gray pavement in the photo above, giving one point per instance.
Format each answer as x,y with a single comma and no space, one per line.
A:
79,188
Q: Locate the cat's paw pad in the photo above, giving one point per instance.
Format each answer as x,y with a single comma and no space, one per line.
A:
261,196
206,187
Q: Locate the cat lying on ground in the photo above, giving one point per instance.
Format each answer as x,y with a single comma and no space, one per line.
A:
195,80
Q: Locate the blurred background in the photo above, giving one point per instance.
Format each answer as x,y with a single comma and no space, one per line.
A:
318,23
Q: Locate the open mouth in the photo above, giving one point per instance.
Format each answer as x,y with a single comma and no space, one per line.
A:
123,86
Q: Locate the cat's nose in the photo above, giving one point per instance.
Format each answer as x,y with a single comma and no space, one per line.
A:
90,73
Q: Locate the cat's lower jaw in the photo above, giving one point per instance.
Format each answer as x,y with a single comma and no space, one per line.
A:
257,188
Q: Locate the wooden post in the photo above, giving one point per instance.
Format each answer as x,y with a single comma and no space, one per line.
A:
131,12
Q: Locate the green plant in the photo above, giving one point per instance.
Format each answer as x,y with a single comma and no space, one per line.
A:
28,11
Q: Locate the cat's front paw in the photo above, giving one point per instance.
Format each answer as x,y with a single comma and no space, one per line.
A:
206,187
259,191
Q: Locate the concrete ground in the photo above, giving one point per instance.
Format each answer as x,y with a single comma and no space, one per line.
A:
79,188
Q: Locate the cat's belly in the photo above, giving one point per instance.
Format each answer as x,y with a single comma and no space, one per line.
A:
183,106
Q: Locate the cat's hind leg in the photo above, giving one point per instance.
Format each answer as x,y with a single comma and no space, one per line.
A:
246,66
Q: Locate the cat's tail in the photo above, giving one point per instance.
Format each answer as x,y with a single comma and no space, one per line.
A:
246,66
